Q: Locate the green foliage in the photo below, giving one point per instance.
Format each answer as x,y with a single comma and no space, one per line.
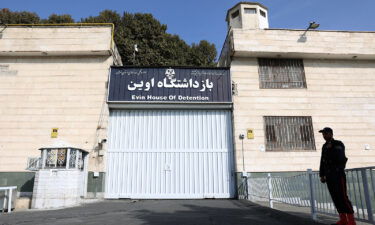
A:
56,19
155,46
202,54
9,17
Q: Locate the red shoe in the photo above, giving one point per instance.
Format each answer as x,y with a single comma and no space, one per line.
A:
351,220
343,220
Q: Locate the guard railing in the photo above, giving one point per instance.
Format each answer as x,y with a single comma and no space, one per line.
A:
7,198
34,163
306,190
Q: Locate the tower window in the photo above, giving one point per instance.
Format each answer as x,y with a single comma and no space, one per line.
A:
250,11
235,14
262,13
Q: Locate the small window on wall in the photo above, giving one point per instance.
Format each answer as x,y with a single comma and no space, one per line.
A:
250,11
281,73
235,14
289,133
262,13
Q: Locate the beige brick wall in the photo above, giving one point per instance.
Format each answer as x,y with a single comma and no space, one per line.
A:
31,40
47,92
340,94
318,44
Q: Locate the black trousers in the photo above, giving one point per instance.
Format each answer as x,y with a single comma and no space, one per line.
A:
336,182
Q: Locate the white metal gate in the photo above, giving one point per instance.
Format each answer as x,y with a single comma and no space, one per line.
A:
169,154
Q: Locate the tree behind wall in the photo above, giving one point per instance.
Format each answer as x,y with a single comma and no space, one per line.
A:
9,17
156,47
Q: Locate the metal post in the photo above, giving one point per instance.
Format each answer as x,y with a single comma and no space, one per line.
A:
44,158
243,158
246,188
270,190
312,194
4,202
10,200
367,196
76,159
67,159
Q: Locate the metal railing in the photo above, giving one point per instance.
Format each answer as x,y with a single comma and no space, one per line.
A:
34,163
8,198
306,190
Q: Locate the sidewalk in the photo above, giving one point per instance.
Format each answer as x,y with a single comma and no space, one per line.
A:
303,212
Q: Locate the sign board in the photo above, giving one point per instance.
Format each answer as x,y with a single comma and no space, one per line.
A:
170,85
54,132
250,134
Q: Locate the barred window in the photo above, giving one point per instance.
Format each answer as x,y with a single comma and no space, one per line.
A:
281,73
283,133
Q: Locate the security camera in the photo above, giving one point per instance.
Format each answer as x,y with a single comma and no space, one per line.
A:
102,141
242,136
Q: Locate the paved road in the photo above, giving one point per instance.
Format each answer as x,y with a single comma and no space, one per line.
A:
157,212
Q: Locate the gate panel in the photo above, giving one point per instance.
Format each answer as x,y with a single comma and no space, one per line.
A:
169,154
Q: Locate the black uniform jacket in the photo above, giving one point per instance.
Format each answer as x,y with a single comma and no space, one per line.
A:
333,158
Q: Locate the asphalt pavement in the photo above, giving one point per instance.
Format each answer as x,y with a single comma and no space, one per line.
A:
158,212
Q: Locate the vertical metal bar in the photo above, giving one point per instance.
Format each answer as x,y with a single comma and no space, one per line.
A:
10,200
243,157
320,191
360,195
355,191
320,195
312,194
246,188
270,190
76,159
372,180
67,159
326,200
44,158
349,189
367,196
4,202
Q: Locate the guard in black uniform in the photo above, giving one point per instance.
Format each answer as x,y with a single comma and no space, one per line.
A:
332,166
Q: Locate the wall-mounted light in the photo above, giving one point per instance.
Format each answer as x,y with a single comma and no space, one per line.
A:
313,26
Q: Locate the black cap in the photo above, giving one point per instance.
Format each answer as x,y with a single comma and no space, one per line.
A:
326,130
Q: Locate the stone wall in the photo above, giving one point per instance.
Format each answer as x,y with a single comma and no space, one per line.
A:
339,94
57,188
293,43
26,41
54,77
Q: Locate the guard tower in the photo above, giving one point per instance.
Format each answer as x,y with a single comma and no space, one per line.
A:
247,15
61,177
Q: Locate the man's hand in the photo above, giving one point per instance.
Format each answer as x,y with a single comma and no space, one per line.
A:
323,179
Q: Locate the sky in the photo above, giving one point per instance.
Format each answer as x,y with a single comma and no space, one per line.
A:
195,20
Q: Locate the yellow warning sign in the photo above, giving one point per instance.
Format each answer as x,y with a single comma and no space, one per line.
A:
54,132
250,134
